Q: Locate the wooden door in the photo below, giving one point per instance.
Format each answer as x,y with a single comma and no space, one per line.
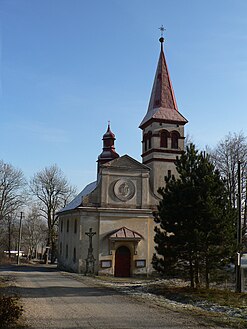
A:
122,262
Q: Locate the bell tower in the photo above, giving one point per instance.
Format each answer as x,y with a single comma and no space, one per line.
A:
162,127
108,153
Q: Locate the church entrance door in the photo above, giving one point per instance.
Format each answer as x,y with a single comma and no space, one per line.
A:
122,262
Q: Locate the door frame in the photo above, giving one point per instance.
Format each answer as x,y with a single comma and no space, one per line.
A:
129,261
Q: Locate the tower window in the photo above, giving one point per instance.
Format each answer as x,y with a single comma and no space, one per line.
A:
75,226
74,255
174,139
149,139
163,138
145,141
67,225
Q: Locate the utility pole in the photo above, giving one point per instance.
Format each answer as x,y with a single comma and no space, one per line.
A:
239,235
19,240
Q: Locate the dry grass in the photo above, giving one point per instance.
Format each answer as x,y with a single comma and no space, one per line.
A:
192,299
217,296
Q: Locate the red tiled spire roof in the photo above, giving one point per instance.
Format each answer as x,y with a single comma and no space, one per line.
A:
162,103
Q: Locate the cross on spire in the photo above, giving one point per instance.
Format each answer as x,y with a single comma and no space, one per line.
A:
162,29
161,39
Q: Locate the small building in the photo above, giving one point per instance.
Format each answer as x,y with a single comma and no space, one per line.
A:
108,229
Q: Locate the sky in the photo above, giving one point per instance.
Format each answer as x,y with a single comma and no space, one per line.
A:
69,66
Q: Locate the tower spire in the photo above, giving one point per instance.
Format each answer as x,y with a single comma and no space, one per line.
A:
162,104
162,127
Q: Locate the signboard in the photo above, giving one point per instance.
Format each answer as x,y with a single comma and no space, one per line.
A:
244,261
140,263
105,263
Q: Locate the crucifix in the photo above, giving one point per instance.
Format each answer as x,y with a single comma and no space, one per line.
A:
90,260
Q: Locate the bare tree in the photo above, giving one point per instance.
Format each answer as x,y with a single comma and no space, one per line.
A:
53,192
226,155
12,195
9,233
34,232
189,139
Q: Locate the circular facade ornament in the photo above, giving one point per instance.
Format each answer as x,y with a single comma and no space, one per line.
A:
124,189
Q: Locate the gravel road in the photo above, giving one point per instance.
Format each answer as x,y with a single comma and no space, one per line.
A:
52,299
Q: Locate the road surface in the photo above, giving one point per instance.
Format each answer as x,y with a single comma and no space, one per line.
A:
55,300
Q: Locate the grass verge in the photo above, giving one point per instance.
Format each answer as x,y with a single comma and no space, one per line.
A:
223,307
219,307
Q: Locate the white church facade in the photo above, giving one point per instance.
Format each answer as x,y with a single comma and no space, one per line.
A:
108,229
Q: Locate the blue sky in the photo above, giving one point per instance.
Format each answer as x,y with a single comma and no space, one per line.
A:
69,66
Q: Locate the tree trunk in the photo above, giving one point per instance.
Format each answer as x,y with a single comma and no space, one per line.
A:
197,278
207,273
192,283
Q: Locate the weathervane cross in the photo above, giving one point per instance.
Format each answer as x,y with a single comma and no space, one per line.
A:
162,29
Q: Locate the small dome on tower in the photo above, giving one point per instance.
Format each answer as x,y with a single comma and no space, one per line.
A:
108,152
109,133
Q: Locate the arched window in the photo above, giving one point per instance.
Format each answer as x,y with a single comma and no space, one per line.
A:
174,138
164,138
74,255
145,141
149,139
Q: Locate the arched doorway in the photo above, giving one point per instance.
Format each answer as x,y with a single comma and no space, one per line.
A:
122,262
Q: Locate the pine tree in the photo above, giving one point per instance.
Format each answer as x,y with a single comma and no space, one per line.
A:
196,224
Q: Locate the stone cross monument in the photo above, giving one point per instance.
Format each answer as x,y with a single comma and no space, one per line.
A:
90,260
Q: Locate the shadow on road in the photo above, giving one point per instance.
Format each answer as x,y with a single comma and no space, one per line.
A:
29,268
58,291
51,283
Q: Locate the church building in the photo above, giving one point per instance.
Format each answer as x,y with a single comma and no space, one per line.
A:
108,229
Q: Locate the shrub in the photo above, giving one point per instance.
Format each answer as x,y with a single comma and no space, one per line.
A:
10,310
